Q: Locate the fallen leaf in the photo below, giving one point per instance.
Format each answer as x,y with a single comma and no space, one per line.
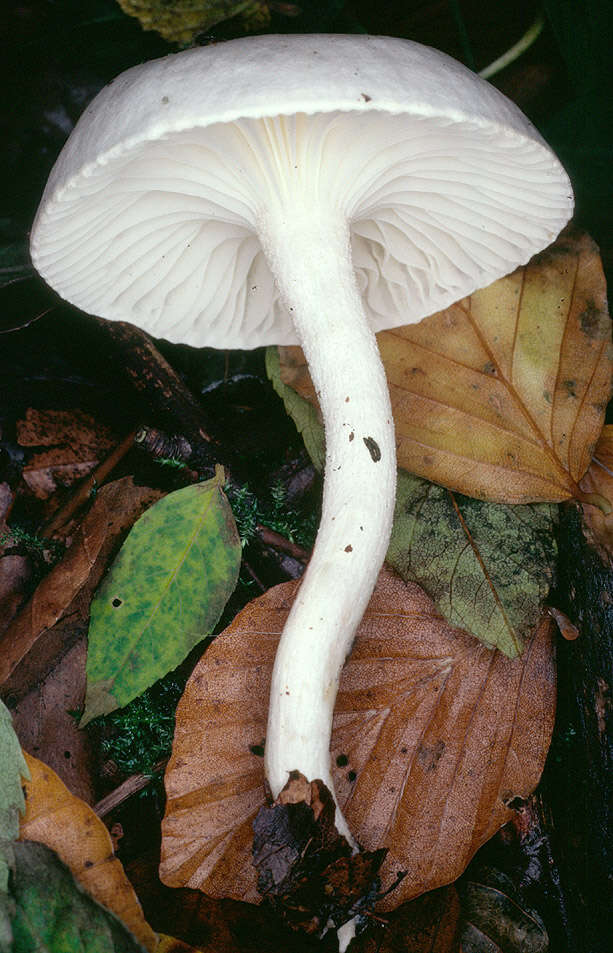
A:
47,729
487,566
163,594
15,570
494,921
67,825
55,916
77,441
12,803
76,575
300,410
598,484
502,396
75,428
433,736
183,20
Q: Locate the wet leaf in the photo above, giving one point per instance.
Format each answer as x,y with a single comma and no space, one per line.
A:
502,396
183,20
300,410
68,826
494,921
488,567
115,507
12,803
163,594
598,485
433,737
55,916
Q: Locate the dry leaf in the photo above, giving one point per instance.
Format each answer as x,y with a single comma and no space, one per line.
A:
598,481
502,396
46,728
433,736
63,822
78,443
75,428
115,508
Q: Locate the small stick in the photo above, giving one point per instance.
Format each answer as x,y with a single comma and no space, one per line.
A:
132,785
87,485
271,538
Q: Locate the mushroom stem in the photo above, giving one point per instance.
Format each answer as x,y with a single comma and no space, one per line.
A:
310,255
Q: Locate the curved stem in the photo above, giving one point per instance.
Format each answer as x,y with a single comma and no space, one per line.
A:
309,253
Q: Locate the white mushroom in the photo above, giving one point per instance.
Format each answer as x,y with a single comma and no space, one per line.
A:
311,189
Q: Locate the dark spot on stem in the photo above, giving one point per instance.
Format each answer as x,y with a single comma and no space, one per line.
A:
373,448
342,760
351,775
257,750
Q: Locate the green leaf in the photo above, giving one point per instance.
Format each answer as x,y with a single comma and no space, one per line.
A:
164,593
495,921
300,410
487,566
12,769
54,914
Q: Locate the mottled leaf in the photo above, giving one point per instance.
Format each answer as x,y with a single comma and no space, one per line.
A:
68,826
55,916
494,921
300,410
433,737
163,594
12,769
488,567
502,396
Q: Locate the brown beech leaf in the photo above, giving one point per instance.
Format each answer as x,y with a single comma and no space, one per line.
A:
116,506
433,737
76,440
502,396
598,485
67,825
48,731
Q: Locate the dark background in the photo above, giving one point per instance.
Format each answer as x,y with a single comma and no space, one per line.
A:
56,55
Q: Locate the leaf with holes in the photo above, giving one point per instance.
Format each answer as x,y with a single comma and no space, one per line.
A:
487,566
163,594
68,826
502,396
433,737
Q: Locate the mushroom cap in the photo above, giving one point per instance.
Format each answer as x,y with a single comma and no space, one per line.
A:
154,209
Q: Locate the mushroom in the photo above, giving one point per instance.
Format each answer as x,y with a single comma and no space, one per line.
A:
313,190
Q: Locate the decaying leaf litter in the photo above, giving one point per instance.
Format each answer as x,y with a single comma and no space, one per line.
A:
381,706
542,584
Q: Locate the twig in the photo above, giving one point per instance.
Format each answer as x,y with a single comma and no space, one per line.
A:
271,538
132,785
87,485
